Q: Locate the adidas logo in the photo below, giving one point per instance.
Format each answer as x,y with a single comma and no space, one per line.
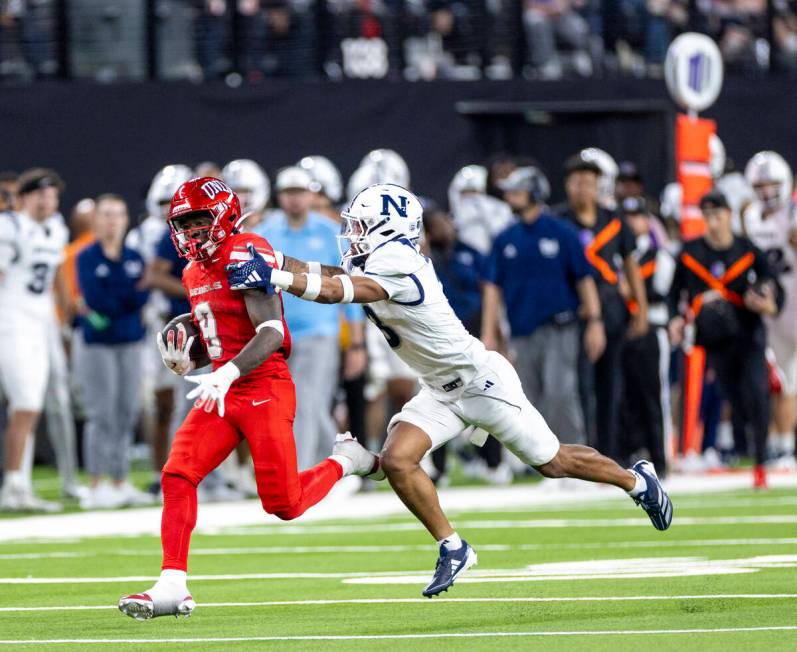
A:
487,385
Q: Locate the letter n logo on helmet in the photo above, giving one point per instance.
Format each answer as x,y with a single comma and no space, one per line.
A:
388,201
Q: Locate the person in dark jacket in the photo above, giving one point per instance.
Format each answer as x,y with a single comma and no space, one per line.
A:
722,288
110,354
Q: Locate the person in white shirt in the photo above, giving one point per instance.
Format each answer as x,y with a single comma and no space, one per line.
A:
32,245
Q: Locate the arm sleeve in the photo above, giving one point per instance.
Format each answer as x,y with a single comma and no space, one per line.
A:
627,240
491,267
98,297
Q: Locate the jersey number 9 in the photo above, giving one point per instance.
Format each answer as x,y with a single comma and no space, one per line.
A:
207,326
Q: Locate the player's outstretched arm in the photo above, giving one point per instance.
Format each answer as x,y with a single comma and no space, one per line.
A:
256,273
296,266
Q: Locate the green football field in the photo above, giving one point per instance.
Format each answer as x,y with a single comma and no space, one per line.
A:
724,577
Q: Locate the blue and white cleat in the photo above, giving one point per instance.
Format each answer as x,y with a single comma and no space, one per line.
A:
449,566
654,500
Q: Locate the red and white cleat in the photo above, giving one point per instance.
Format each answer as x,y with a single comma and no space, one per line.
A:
142,607
363,462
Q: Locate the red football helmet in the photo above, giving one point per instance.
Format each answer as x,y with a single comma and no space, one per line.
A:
203,196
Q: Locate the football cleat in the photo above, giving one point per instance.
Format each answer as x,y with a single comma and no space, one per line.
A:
366,464
449,565
22,499
142,607
654,500
760,477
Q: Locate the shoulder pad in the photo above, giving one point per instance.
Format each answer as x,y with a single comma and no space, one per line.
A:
394,258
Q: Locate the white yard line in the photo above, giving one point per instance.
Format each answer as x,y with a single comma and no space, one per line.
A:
376,505
441,601
490,547
390,637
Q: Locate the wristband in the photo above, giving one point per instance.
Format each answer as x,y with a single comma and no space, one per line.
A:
314,267
313,287
229,371
348,288
276,324
281,279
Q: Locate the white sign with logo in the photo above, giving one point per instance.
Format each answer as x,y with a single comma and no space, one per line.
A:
693,71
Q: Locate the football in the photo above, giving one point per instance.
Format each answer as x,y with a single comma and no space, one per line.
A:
197,348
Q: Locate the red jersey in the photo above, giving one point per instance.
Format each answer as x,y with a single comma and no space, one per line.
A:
220,313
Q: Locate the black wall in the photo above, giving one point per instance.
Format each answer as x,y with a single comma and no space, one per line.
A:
114,138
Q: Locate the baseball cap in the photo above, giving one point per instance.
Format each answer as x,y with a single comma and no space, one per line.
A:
633,206
37,179
628,171
713,199
578,163
293,178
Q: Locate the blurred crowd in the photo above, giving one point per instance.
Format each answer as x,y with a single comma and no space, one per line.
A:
412,39
597,301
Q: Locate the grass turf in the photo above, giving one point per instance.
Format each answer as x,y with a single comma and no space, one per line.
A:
741,527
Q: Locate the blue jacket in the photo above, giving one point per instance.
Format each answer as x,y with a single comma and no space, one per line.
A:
537,266
109,288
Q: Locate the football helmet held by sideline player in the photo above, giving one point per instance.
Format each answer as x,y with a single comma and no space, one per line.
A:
249,182
163,186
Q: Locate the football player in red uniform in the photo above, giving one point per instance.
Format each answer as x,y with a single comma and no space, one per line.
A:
249,394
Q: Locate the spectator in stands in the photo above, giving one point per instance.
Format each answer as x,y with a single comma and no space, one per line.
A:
785,30
547,20
212,38
315,356
538,269
288,49
608,244
109,365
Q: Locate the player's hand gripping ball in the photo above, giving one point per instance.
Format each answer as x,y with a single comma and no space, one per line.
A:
179,344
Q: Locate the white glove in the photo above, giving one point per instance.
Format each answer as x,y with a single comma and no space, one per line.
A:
177,355
211,388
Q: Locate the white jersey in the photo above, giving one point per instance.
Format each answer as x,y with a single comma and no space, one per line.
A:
417,320
30,254
479,219
772,235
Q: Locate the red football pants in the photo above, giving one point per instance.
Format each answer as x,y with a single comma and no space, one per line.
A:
263,415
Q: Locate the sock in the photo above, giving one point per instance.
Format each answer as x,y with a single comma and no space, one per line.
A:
345,463
452,542
178,521
786,444
639,486
171,584
15,479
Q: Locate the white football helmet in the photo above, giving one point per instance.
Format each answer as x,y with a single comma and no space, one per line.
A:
609,172
716,162
249,182
390,167
163,187
326,177
771,178
471,178
378,214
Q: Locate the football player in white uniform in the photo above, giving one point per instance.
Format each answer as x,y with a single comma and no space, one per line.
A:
462,384
253,187
770,223
32,245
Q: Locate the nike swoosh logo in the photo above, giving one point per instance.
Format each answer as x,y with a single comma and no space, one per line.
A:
256,403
